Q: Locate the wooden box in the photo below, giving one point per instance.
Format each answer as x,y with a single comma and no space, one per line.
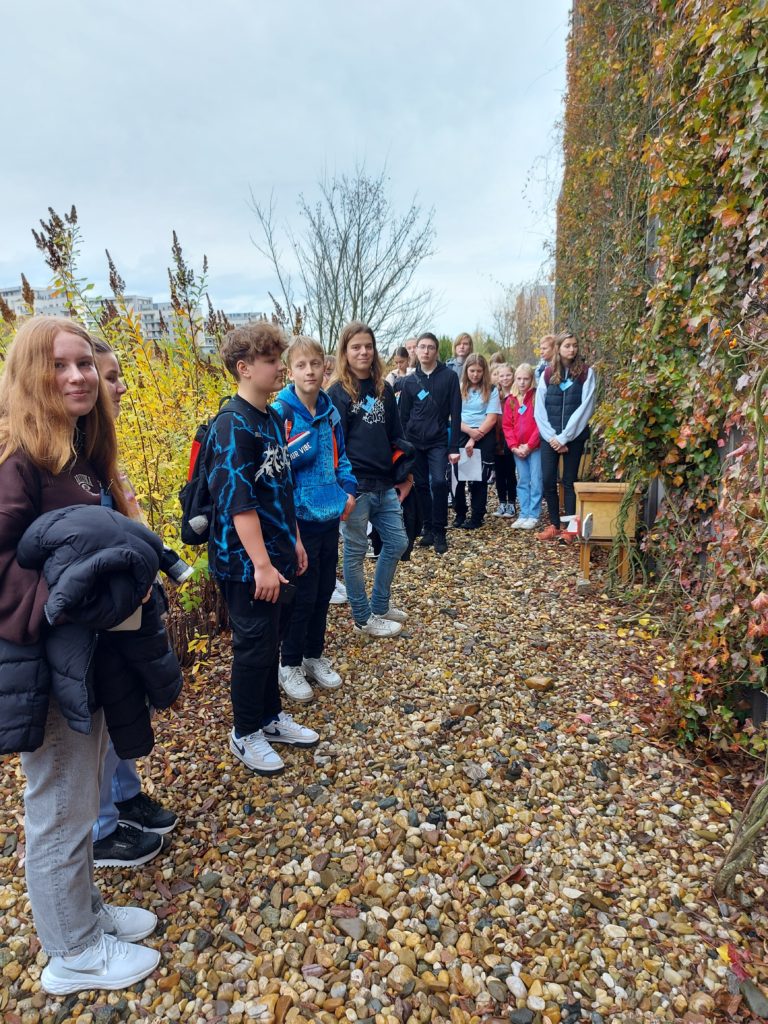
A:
603,501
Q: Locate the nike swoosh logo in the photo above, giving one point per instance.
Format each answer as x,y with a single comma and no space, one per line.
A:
240,748
86,970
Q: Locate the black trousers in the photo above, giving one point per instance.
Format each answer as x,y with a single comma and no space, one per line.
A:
430,475
478,489
506,477
257,629
305,636
549,463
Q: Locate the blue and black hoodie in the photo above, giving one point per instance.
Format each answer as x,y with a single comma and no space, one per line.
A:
322,474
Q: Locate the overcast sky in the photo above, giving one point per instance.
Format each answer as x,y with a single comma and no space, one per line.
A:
162,115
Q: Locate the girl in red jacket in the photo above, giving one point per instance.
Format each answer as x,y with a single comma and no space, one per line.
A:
522,437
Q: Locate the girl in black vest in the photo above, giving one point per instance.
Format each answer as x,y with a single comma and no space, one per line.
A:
565,400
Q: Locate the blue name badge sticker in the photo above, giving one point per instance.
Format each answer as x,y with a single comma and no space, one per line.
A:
422,394
565,384
522,408
369,403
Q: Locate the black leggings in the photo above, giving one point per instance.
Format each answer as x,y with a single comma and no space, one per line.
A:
549,463
506,477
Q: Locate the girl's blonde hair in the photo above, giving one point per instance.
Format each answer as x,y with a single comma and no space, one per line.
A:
525,368
475,359
33,419
578,368
342,373
464,337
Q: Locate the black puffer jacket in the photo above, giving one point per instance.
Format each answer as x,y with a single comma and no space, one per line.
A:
99,565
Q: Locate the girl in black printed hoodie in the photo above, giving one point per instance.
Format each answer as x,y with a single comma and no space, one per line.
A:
372,435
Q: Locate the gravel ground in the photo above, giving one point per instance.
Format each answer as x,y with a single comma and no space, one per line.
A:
487,832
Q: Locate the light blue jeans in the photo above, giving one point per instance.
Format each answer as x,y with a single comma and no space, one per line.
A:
120,781
529,484
382,509
61,800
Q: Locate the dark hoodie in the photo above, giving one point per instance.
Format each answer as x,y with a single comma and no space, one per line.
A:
428,404
372,433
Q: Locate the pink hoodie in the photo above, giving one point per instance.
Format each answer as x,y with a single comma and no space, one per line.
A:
518,423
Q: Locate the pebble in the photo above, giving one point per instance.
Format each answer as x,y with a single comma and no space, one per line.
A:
447,852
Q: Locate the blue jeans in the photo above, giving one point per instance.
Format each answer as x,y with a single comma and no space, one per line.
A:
382,509
529,484
119,781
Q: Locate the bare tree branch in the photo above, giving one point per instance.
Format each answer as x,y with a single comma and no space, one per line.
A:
354,258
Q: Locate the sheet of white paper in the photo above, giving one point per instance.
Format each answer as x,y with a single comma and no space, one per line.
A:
470,466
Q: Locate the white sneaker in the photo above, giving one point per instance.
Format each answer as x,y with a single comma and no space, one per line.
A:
519,524
499,511
322,672
129,924
285,730
531,523
110,964
509,512
395,614
255,753
379,626
339,595
294,683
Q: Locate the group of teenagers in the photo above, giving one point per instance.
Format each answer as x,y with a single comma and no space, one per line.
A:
81,629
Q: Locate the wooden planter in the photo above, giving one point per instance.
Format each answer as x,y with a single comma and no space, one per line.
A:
603,501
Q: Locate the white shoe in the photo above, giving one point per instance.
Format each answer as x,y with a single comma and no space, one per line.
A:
519,524
395,614
339,595
129,924
321,671
531,523
509,512
379,626
255,753
285,730
294,683
110,964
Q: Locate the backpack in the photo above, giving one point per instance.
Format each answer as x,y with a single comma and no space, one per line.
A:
194,497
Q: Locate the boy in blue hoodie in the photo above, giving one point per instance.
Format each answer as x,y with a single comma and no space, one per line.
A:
324,494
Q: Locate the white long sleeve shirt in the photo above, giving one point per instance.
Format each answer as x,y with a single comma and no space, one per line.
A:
578,419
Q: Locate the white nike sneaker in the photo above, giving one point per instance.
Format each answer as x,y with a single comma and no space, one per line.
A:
395,614
285,730
294,683
255,752
339,595
519,524
377,625
321,671
531,523
110,964
129,924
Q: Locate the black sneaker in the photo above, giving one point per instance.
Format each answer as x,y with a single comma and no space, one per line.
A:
127,847
146,814
441,544
427,539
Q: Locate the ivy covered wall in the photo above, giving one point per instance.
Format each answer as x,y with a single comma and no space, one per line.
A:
661,252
